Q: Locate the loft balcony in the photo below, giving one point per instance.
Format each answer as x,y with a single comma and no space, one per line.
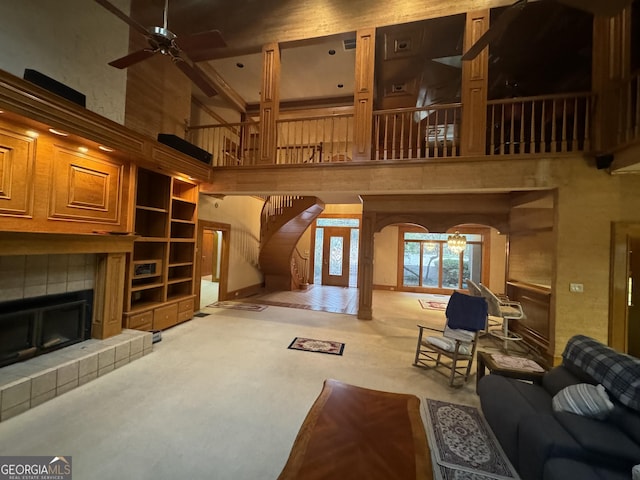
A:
545,125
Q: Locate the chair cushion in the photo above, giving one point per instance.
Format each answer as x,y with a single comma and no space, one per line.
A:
459,334
583,399
449,345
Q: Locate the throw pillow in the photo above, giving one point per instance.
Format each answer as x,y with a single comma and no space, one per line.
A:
635,473
583,399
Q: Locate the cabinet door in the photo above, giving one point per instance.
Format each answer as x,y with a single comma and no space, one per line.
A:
165,317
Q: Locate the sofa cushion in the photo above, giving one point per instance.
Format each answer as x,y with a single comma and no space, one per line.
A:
626,420
505,402
558,378
603,442
583,399
563,468
617,372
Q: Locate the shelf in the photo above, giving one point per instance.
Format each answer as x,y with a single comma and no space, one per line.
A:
147,275
146,286
182,200
173,281
182,240
179,220
151,209
153,239
183,264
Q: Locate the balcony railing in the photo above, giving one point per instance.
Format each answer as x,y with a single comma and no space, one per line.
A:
231,144
315,139
543,124
629,111
549,124
412,133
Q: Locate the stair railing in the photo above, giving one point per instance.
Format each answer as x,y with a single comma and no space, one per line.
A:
300,268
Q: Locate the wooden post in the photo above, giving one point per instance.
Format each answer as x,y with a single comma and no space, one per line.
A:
610,68
363,93
365,267
269,103
473,137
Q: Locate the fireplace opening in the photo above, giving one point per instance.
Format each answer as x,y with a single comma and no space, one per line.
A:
35,326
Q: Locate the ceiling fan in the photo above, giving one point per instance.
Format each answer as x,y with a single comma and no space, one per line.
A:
181,50
606,8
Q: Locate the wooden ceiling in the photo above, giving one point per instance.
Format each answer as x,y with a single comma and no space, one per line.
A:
546,49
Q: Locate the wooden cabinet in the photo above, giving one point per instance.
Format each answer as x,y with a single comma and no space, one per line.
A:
162,266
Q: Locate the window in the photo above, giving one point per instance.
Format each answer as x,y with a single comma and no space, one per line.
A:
428,262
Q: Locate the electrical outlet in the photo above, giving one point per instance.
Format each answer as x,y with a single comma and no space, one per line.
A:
576,287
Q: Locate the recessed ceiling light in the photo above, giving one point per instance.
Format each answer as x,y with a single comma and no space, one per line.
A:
340,85
58,132
332,52
83,149
1,111
105,149
32,134
240,65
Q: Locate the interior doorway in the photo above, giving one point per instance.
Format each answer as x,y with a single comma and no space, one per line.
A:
213,262
624,317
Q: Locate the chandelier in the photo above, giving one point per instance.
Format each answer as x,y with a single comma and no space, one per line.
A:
456,242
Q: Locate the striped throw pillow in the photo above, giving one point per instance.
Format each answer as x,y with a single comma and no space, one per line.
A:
583,399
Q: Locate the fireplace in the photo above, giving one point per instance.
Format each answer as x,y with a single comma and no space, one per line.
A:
35,326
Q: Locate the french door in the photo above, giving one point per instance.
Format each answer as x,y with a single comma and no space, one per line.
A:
336,246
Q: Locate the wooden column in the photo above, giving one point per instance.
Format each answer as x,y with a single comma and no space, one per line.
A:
610,67
473,136
363,93
365,267
269,102
109,295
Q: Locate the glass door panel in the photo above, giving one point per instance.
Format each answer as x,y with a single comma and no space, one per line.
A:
450,268
411,267
430,264
336,253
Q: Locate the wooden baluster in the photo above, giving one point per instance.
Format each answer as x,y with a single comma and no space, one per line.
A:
532,130
386,136
410,128
637,120
554,146
445,148
454,150
564,126
521,145
492,141
346,137
502,139
512,123
574,143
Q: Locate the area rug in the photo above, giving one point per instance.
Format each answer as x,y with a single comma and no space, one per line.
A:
320,346
463,445
251,307
434,302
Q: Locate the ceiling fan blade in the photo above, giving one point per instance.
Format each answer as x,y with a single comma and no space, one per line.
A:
132,58
199,46
196,75
121,15
495,30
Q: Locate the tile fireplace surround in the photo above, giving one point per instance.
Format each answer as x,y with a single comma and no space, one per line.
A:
30,383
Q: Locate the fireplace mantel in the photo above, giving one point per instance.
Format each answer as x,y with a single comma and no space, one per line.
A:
52,243
111,250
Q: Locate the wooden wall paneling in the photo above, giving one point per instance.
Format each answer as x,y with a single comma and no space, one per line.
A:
474,88
17,159
610,65
269,103
363,93
536,303
365,266
109,294
84,187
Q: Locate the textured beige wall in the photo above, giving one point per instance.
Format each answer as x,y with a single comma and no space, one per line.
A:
497,264
51,37
243,214
589,200
531,258
385,257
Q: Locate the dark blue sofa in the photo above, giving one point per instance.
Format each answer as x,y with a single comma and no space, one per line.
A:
544,444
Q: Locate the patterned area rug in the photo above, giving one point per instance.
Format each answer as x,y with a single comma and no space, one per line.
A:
463,445
251,307
321,346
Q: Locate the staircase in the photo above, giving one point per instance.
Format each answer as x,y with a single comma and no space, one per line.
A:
284,220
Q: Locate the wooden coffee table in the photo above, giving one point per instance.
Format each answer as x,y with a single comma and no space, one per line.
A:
353,433
522,368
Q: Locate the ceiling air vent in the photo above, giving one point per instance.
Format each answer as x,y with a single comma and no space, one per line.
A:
398,87
349,43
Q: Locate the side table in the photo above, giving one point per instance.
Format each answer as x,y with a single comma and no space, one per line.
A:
509,366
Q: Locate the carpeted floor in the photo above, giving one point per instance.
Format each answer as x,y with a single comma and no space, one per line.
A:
220,396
